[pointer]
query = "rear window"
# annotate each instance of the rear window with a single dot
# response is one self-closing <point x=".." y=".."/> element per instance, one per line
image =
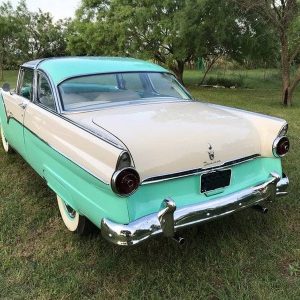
<point x="89" y="92"/>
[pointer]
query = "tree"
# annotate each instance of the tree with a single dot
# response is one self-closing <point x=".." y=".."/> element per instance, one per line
<point x="7" y="28"/>
<point x="25" y="35"/>
<point x="171" y="32"/>
<point x="147" y="29"/>
<point x="283" y="16"/>
<point x="212" y="27"/>
<point x="221" y="30"/>
<point x="46" y="38"/>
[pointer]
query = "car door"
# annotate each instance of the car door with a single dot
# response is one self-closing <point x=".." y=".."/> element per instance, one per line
<point x="15" y="106"/>
<point x="37" y="122"/>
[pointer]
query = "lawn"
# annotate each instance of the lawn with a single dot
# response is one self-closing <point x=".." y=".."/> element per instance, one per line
<point x="244" y="256"/>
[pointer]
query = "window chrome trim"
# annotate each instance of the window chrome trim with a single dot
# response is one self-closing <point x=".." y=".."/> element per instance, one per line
<point x="37" y="74"/>
<point x="198" y="171"/>
<point x="20" y="80"/>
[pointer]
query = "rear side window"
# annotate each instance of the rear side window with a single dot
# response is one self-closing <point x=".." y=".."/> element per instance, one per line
<point x="159" y="83"/>
<point x="26" y="84"/>
<point x="132" y="81"/>
<point x="44" y="92"/>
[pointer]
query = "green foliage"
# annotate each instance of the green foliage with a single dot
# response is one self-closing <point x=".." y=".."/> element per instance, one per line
<point x="46" y="38"/>
<point x="25" y="35"/>
<point x="146" y="29"/>
<point x="8" y="42"/>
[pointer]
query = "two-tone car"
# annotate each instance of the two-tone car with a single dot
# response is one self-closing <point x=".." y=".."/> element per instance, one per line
<point x="127" y="149"/>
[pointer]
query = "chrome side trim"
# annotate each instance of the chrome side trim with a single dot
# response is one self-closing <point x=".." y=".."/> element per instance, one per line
<point x="153" y="224"/>
<point x="198" y="171"/>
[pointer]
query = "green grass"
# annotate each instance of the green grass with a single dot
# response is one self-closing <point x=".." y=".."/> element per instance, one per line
<point x="243" y="256"/>
<point x="9" y="77"/>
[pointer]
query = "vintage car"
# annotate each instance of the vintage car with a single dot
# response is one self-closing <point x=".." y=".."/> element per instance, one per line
<point x="127" y="149"/>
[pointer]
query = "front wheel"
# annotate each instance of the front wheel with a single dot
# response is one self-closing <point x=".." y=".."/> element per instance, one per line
<point x="7" y="148"/>
<point x="73" y="220"/>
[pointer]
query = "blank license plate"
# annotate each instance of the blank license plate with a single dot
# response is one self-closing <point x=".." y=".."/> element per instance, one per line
<point x="215" y="180"/>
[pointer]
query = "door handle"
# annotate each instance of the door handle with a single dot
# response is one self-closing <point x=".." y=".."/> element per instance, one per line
<point x="23" y="105"/>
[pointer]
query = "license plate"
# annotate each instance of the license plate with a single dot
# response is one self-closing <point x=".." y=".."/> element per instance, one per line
<point x="215" y="180"/>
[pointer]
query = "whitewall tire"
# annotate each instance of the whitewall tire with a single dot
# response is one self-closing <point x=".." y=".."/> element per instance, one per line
<point x="73" y="220"/>
<point x="7" y="148"/>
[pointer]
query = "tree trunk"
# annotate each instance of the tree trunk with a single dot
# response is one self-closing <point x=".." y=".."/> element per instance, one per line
<point x="205" y="74"/>
<point x="178" y="70"/>
<point x="286" y="92"/>
<point x="210" y="65"/>
<point x="286" y="84"/>
<point x="285" y="68"/>
<point x="1" y="72"/>
<point x="1" y="65"/>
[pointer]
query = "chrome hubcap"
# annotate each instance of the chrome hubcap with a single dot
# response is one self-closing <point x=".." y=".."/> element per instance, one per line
<point x="71" y="212"/>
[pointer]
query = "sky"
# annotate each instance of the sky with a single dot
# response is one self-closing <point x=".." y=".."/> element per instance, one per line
<point x="58" y="8"/>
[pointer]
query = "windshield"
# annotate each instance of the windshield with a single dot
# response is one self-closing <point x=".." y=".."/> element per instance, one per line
<point x="90" y="92"/>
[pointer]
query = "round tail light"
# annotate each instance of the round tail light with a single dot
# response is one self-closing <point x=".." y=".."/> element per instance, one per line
<point x="125" y="182"/>
<point x="281" y="146"/>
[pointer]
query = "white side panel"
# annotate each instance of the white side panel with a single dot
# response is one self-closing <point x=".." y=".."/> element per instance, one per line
<point x="89" y="152"/>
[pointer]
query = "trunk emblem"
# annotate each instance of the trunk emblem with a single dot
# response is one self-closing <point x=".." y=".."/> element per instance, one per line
<point x="211" y="152"/>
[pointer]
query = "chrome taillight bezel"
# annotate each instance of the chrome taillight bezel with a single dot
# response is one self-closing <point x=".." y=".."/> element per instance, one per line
<point x="277" y="142"/>
<point x="284" y="130"/>
<point x="124" y="161"/>
<point x="115" y="178"/>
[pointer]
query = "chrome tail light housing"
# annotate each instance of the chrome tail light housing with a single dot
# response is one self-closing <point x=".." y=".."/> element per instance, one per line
<point x="125" y="182"/>
<point x="281" y="146"/>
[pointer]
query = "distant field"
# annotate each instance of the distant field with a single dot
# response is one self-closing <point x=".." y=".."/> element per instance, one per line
<point x="243" y="256"/>
<point x="9" y="77"/>
<point x="258" y="79"/>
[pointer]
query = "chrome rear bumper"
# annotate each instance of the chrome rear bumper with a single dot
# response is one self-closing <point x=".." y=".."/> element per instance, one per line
<point x="169" y="219"/>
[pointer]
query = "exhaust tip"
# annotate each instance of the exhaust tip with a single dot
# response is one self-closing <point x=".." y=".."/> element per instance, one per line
<point x="178" y="239"/>
<point x="260" y="208"/>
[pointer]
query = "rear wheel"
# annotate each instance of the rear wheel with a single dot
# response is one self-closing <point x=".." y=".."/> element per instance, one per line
<point x="73" y="220"/>
<point x="7" y="148"/>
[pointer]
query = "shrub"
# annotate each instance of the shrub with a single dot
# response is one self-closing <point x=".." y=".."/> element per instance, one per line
<point x="226" y="82"/>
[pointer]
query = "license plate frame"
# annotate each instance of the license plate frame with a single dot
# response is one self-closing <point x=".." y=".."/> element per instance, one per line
<point x="215" y="180"/>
